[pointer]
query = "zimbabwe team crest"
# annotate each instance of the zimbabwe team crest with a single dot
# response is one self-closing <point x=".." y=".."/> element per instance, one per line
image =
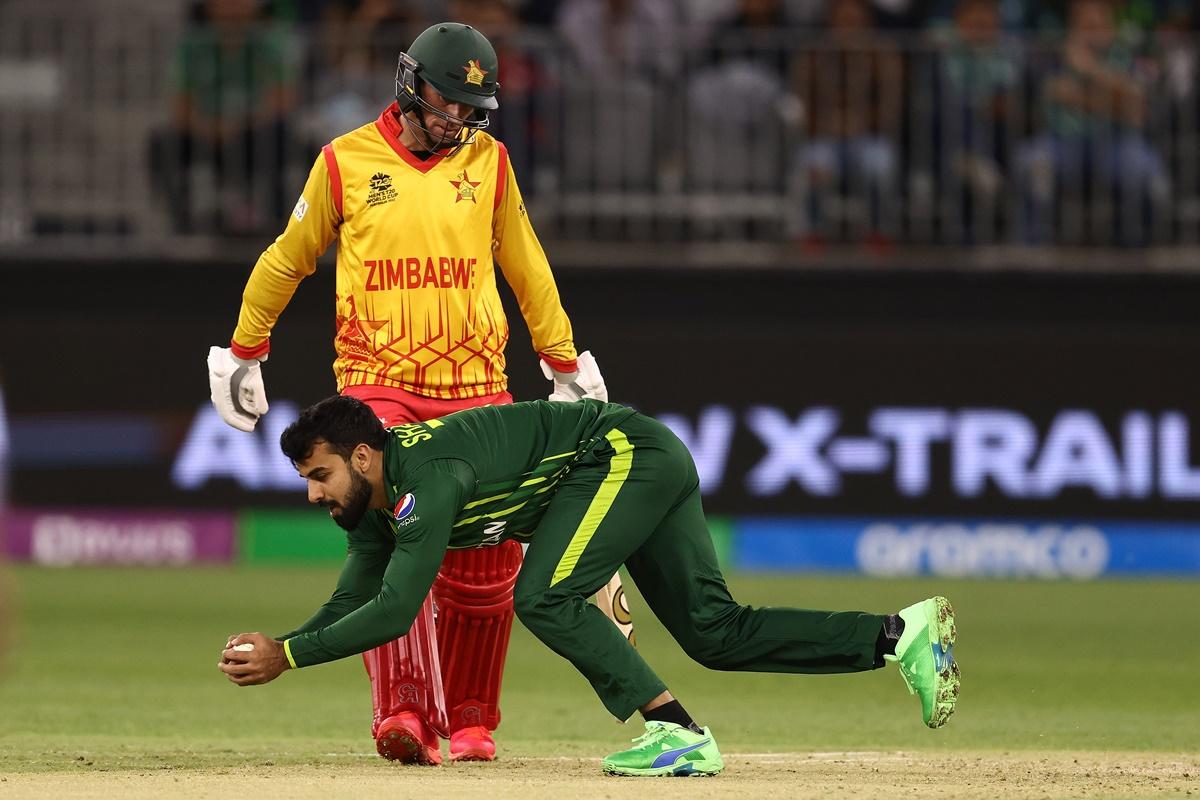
<point x="465" y="187"/>
<point x="475" y="73"/>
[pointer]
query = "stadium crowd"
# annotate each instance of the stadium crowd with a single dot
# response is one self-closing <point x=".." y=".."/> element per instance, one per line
<point x="874" y="121"/>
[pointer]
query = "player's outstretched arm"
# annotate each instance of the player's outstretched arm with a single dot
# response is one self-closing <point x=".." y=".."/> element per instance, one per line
<point x="251" y="658"/>
<point x="421" y="538"/>
<point x="388" y="615"/>
<point x="367" y="558"/>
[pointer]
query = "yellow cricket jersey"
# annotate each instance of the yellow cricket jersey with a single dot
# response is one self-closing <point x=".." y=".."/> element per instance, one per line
<point x="417" y="306"/>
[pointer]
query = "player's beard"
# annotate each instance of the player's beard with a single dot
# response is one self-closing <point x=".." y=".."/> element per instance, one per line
<point x="434" y="141"/>
<point x="357" y="501"/>
<point x="442" y="143"/>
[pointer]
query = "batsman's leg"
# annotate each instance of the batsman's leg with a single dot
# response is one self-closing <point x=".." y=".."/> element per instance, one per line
<point x="474" y="595"/>
<point x="406" y="678"/>
<point x="612" y="600"/>
<point x="406" y="692"/>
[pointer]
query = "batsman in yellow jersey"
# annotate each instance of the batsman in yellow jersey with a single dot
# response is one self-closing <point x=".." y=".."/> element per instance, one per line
<point x="423" y="204"/>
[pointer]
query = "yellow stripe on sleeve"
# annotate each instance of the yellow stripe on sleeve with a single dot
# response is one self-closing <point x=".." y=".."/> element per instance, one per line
<point x="618" y="471"/>
<point x="287" y="651"/>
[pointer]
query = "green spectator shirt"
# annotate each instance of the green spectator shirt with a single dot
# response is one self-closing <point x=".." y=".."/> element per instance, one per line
<point x="1067" y="121"/>
<point x="232" y="82"/>
<point x="976" y="73"/>
<point x="473" y="478"/>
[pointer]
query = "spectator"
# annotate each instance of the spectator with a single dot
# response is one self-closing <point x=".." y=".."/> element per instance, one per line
<point x="977" y="75"/>
<point x="752" y="36"/>
<point x="354" y="62"/>
<point x="851" y="87"/>
<point x="520" y="122"/>
<point x="633" y="36"/>
<point x="742" y="113"/>
<point x="1178" y="52"/>
<point x="1094" y="148"/>
<point x="220" y="164"/>
<point x="617" y="96"/>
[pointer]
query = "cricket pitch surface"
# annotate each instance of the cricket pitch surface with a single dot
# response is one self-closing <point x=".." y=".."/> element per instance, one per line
<point x="792" y="775"/>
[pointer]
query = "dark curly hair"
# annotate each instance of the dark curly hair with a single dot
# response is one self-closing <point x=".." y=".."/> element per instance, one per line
<point x="341" y="422"/>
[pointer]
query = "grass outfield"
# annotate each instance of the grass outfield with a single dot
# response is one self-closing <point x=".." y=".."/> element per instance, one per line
<point x="115" y="671"/>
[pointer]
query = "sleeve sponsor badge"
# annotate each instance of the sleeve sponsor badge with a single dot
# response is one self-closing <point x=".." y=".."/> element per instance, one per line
<point x="405" y="507"/>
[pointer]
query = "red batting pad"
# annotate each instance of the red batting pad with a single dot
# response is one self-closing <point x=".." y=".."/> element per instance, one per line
<point x="405" y="675"/>
<point x="474" y="594"/>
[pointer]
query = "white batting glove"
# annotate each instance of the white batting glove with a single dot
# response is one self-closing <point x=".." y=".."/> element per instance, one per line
<point x="237" y="389"/>
<point x="585" y="381"/>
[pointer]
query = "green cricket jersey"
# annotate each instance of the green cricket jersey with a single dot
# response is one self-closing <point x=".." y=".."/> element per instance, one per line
<point x="470" y="479"/>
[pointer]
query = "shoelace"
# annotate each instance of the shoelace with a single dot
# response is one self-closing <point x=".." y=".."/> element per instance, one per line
<point x="652" y="734"/>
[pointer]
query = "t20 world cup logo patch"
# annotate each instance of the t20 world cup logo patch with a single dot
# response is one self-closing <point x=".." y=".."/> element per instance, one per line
<point x="405" y="507"/>
<point x="381" y="189"/>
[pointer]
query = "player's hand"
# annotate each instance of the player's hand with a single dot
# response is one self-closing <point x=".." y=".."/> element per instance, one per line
<point x="585" y="381"/>
<point x="263" y="664"/>
<point x="236" y="388"/>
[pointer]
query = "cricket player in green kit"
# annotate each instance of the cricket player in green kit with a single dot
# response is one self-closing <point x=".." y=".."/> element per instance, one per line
<point x="590" y="486"/>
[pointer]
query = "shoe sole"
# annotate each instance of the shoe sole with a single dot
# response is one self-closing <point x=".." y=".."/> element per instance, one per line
<point x="401" y="744"/>
<point x="685" y="770"/>
<point x="472" y="755"/>
<point x="942" y="633"/>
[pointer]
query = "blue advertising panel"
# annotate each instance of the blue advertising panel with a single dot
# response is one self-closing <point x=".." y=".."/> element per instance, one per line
<point x="967" y="548"/>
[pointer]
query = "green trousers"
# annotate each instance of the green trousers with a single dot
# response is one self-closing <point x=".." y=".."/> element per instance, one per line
<point x="634" y="499"/>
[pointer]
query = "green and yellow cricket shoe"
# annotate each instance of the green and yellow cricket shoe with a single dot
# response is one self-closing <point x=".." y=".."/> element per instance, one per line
<point x="668" y="749"/>
<point x="926" y="655"/>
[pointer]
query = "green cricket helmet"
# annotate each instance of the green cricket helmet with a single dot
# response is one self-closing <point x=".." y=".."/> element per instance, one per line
<point x="461" y="65"/>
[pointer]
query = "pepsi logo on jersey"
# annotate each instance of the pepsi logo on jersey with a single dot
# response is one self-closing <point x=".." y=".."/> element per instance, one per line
<point x="405" y="506"/>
